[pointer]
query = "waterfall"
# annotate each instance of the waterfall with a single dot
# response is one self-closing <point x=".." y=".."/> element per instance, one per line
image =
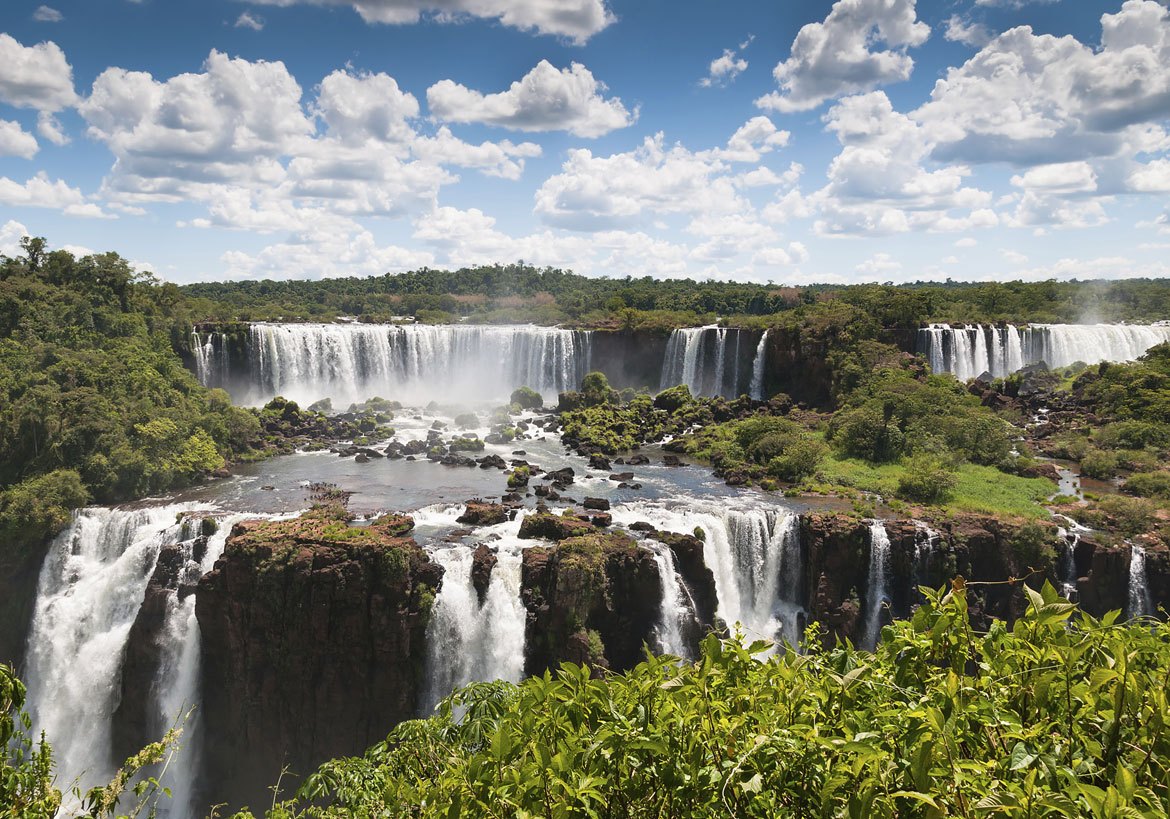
<point x="925" y="541"/>
<point x="412" y="363"/>
<point x="755" y="556"/>
<point x="758" y="363"/>
<point x="699" y="358"/>
<point x="876" y="592"/>
<point x="969" y="351"/>
<point x="1140" y="602"/>
<point x="89" y="594"/>
<point x="1067" y="565"/>
<point x="678" y="607"/>
<point x="468" y="642"/>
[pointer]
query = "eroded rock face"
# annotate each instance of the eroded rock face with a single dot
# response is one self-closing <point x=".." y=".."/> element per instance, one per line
<point x="136" y="722"/>
<point x="483" y="560"/>
<point x="313" y="645"/>
<point x="593" y="598"/>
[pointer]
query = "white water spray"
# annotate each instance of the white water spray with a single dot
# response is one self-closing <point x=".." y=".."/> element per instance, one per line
<point x="877" y="591"/>
<point x="758" y="364"/>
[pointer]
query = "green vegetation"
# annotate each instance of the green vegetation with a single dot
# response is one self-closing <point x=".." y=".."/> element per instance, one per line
<point x="1058" y="715"/>
<point x="94" y="403"/>
<point x="522" y="293"/>
<point x="526" y="398"/>
<point x="27" y="784"/>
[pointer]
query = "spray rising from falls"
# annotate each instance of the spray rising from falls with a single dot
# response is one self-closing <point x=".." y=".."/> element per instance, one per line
<point x="1140" y="602"/>
<point x="969" y="351"/>
<point x="705" y="359"/>
<point x="90" y="591"/>
<point x="469" y="640"/>
<point x="412" y="363"/>
<point x="758" y="364"/>
<point x="877" y="592"/>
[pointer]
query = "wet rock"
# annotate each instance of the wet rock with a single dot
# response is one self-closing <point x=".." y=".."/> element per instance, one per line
<point x="624" y="485"/>
<point x="553" y="527"/>
<point x="560" y="476"/>
<point x="600" y="504"/>
<point x="394" y="450"/>
<point x="479" y="513"/>
<point x="637" y="460"/>
<point x="599" y="462"/>
<point x="483" y="560"/>
<point x="601" y="520"/>
<point x="362" y="458"/>
<point x="622" y="476"/>
<point x="671" y="460"/>
<point x="415" y="447"/>
<point x="491" y="462"/>
<point x="641" y="526"/>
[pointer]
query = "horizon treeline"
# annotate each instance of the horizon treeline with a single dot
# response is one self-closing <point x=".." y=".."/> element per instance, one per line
<point x="520" y="292"/>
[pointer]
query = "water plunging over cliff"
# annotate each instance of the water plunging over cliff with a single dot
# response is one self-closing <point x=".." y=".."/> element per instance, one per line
<point x="410" y="363"/>
<point x="877" y="592"/>
<point x="468" y="641"/>
<point x="705" y="359"/>
<point x="678" y="607"/>
<point x="1140" y="603"/>
<point x="756" y="558"/>
<point x="971" y="350"/>
<point x="758" y="364"/>
<point x="90" y="590"/>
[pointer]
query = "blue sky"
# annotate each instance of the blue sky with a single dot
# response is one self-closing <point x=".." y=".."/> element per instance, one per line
<point x="856" y="140"/>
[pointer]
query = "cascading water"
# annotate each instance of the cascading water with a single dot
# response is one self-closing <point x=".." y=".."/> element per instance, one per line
<point x="758" y="364"/>
<point x="704" y="359"/>
<point x="472" y="642"/>
<point x="969" y="351"/>
<point x="1068" y="565"/>
<point x="1140" y="603"/>
<point x="89" y="593"/>
<point x="411" y="363"/>
<point x="678" y="607"/>
<point x="756" y="558"/>
<point x="877" y="592"/>
<point x="925" y="543"/>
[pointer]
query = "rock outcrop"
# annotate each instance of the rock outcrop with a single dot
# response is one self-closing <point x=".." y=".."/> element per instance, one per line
<point x="313" y="637"/>
<point x="591" y="599"/>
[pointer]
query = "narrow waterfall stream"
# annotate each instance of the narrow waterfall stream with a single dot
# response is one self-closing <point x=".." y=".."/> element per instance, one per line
<point x="877" y="592"/>
<point x="759" y="362"/>
<point x="678" y="607"/>
<point x="1140" y="604"/>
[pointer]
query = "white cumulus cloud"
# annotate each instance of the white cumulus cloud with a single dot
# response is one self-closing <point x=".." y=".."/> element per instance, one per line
<point x="577" y="20"/>
<point x="842" y="56"/>
<point x="15" y="141"/>
<point x="545" y="99"/>
<point x="36" y="76"/>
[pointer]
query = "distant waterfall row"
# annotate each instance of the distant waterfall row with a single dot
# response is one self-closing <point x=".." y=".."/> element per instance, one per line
<point x="412" y="363"/>
<point x="710" y="361"/>
<point x="416" y="363"/>
<point x="969" y="351"/>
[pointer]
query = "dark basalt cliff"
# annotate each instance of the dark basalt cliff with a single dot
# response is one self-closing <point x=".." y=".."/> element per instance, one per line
<point x="313" y="630"/>
<point x="596" y="586"/>
<point x="313" y="637"/>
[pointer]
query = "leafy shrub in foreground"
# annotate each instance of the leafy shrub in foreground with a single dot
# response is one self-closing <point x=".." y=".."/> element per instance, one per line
<point x="1055" y="716"/>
